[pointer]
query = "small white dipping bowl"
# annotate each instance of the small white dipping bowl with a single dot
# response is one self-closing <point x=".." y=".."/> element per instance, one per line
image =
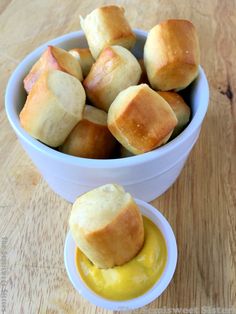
<point x="159" y="220"/>
<point x="145" y="176"/>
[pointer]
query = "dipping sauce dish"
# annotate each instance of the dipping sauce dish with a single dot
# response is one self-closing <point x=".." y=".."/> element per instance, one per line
<point x="133" y="278"/>
<point x="168" y="260"/>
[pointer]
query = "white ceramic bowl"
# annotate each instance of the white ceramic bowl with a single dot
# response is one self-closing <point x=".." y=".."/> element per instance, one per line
<point x="159" y="220"/>
<point x="145" y="176"/>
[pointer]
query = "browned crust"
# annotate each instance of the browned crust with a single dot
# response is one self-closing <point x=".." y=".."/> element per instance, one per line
<point x="36" y="96"/>
<point x="143" y="122"/>
<point x="179" y="36"/>
<point x="53" y="58"/>
<point x="108" y="8"/>
<point x="66" y="62"/>
<point x="180" y="108"/>
<point x="96" y="82"/>
<point x="90" y="140"/>
<point x="177" y="74"/>
<point x="58" y="55"/>
<point x="83" y="52"/>
<point x="177" y="55"/>
<point x="176" y="102"/>
<point x="117" y="25"/>
<point x="46" y="62"/>
<point x="122" y="239"/>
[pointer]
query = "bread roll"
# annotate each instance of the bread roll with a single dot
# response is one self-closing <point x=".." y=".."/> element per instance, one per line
<point x="171" y="55"/>
<point x="107" y="226"/>
<point x="140" y="119"/>
<point x="91" y="138"/>
<point x="83" y="55"/>
<point x="107" y="26"/>
<point x="53" y="107"/>
<point x="114" y="70"/>
<point x="53" y="58"/>
<point x="180" y="108"/>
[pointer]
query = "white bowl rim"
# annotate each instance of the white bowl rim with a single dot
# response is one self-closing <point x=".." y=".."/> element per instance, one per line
<point x="87" y="162"/>
<point x="150" y="295"/>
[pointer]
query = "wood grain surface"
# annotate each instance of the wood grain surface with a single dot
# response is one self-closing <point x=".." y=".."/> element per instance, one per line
<point x="200" y="206"/>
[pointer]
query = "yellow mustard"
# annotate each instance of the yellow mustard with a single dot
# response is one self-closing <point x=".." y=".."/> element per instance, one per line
<point x="133" y="278"/>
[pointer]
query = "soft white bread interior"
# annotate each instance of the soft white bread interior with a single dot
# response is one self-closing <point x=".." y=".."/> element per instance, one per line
<point x="53" y="58"/>
<point x="107" y="26"/>
<point x="85" y="58"/>
<point x="114" y="70"/>
<point x="180" y="108"/>
<point x="91" y="138"/>
<point x="171" y="55"/>
<point x="53" y="107"/>
<point x="107" y="226"/>
<point x="140" y="119"/>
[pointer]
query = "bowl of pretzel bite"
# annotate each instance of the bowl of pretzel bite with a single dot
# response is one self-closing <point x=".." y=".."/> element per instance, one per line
<point x="111" y="104"/>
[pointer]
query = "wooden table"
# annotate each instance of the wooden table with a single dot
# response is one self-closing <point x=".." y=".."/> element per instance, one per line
<point x="200" y="205"/>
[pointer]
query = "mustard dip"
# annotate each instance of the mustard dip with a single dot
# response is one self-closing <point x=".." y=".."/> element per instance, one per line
<point x="133" y="278"/>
